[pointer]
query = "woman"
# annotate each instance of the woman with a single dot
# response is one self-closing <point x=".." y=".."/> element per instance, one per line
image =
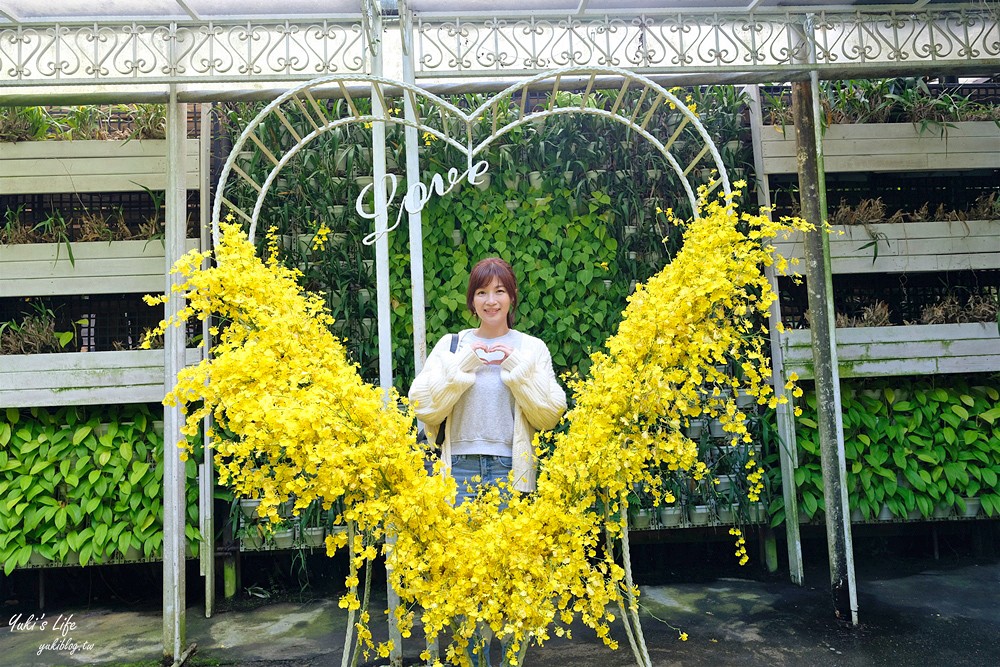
<point x="492" y="393"/>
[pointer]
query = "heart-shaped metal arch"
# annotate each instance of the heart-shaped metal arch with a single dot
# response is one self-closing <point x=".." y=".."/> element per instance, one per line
<point x="636" y="111"/>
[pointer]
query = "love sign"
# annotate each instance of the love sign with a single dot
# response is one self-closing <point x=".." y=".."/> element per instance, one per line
<point x="418" y="194"/>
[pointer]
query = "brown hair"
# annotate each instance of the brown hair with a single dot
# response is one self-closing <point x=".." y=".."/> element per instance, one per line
<point x="483" y="273"/>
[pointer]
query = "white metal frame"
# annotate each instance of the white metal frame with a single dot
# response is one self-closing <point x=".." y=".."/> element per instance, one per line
<point x="85" y="61"/>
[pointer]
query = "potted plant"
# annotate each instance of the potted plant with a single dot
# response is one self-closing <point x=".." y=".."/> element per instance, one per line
<point x="889" y="125"/>
<point x="640" y="509"/>
<point x="312" y="532"/>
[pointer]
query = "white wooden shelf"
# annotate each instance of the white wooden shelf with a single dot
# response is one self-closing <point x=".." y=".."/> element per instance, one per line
<point x="929" y="349"/>
<point x="44" y="167"/>
<point x="908" y="247"/>
<point x="98" y="267"/>
<point x="84" y="378"/>
<point x="881" y="147"/>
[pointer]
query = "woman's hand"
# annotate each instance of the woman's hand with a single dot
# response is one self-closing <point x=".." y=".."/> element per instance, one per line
<point x="492" y="355"/>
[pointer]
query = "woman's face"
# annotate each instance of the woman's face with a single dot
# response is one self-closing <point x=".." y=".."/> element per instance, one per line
<point x="492" y="303"/>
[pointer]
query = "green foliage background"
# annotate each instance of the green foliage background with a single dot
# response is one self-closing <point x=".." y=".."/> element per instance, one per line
<point x="572" y="204"/>
<point x="914" y="445"/>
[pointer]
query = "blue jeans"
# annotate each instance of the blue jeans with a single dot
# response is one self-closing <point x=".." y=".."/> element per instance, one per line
<point x="490" y="469"/>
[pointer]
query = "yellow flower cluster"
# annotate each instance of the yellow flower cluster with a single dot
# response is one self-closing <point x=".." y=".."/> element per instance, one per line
<point x="741" y="545"/>
<point x="319" y="240"/>
<point x="295" y="421"/>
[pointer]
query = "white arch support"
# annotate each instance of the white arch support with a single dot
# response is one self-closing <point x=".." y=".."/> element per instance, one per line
<point x="635" y="105"/>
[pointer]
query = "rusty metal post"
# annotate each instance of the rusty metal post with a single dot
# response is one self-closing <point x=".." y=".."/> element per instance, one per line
<point x="819" y="283"/>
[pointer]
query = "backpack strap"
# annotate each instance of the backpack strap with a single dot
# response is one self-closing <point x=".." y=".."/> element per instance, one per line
<point x="439" y="440"/>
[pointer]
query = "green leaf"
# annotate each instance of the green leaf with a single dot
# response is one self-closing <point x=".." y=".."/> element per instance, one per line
<point x="100" y="534"/>
<point x="810" y="503"/>
<point x="81" y="433"/>
<point x="960" y="411"/>
<point x="139" y="469"/>
<point x="990" y="415"/>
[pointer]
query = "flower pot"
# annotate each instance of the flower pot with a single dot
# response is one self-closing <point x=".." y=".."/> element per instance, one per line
<point x="745" y="400"/>
<point x="512" y="204"/>
<point x="535" y="180"/>
<point x="699" y="515"/>
<point x="715" y="429"/>
<point x="756" y="513"/>
<point x="253" y="540"/>
<point x="640" y="519"/>
<point x="484" y="181"/>
<point x="972" y="507"/>
<point x="942" y="511"/>
<point x="857" y="516"/>
<point x="914" y="515"/>
<point x="283" y="539"/>
<point x="248" y="508"/>
<point x="725" y="514"/>
<point x="313" y="536"/>
<point x="568" y="177"/>
<point x="628" y="230"/>
<point x="725" y="483"/>
<point x="885" y="514"/>
<point x="456" y="236"/>
<point x="670" y="515"/>
<point x="38" y="559"/>
<point x="512" y="181"/>
<point x="694" y="429"/>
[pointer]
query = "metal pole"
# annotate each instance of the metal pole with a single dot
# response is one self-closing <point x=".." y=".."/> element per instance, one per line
<point x="787" y="446"/>
<point x="819" y="284"/>
<point x="173" y="356"/>
<point x="382" y="281"/>
<point x="413" y="176"/>
<point x="206" y="475"/>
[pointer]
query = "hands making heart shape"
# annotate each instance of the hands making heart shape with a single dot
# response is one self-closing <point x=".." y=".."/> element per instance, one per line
<point x="492" y="355"/>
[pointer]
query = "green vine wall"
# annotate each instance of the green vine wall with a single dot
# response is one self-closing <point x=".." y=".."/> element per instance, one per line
<point x="574" y="203"/>
<point x="84" y="484"/>
<point x="921" y="448"/>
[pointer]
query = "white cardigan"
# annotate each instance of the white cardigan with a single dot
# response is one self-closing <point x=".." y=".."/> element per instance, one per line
<point x="539" y="401"/>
